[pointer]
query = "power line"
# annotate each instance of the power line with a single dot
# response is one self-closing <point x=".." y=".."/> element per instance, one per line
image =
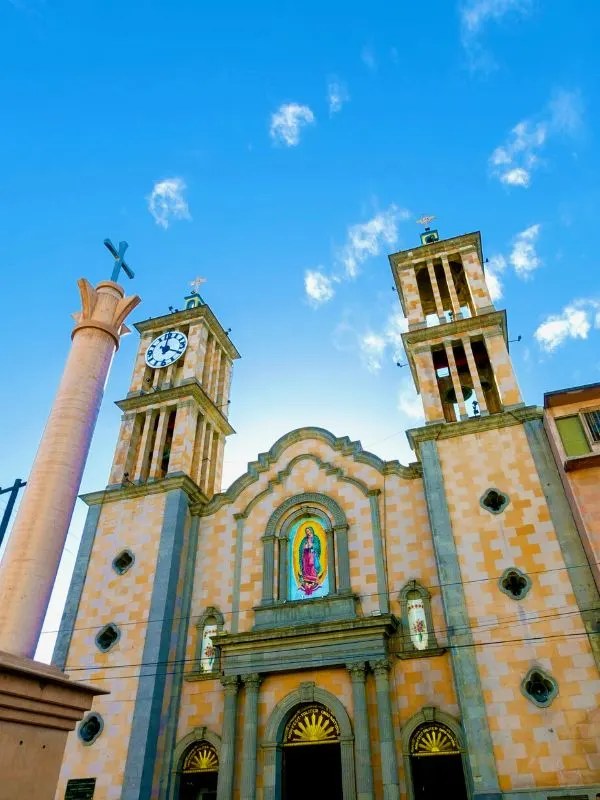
<point x="389" y="594"/>
<point x="306" y="662"/>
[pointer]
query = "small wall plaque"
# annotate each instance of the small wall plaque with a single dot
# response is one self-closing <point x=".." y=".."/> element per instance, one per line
<point x="80" y="789"/>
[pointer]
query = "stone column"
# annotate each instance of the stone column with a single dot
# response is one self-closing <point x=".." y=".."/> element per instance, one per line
<point x="343" y="559"/>
<point x="268" y="568"/>
<point x="251" y="685"/>
<point x="454" y="301"/>
<point x="389" y="764"/>
<point x="33" y="553"/>
<point x="362" y="743"/>
<point x="436" y="292"/>
<point x="227" y="759"/>
<point x="331" y="561"/>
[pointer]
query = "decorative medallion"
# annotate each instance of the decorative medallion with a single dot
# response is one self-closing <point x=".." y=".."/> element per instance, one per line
<point x="201" y="757"/>
<point x="434" y="740"/>
<point x="313" y="724"/>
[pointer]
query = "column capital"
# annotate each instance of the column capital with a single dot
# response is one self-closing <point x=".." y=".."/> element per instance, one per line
<point x="357" y="670"/>
<point x="252" y="681"/>
<point x="231" y="684"/>
<point x="381" y="667"/>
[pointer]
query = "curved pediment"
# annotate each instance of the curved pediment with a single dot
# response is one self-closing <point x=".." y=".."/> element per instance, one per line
<point x="343" y="445"/>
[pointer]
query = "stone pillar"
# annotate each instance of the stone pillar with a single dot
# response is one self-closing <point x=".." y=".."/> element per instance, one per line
<point x="268" y="568"/>
<point x="483" y="409"/>
<point x="227" y="760"/>
<point x="362" y="744"/>
<point x="343" y="559"/>
<point x="251" y="686"/>
<point x="331" y="561"/>
<point x="436" y="292"/>
<point x="412" y="299"/>
<point x="460" y="398"/>
<point x="454" y="301"/>
<point x="428" y="385"/>
<point x="389" y="764"/>
<point x="33" y="553"/>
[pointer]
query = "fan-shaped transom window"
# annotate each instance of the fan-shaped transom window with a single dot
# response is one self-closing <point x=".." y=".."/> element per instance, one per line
<point x="312" y="724"/>
<point x="201" y="757"/>
<point x="123" y="561"/>
<point x="90" y="728"/>
<point x="494" y="501"/>
<point x="434" y="739"/>
<point x="107" y="637"/>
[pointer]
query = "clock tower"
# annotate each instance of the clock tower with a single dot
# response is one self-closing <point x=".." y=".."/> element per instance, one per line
<point x="169" y="457"/>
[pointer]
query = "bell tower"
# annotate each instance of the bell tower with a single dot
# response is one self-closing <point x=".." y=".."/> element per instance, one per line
<point x="457" y="343"/>
<point x="175" y="413"/>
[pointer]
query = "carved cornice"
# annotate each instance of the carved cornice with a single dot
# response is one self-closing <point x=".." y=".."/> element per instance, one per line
<point x="341" y="445"/>
<point x="185" y="317"/>
<point x="423" y="252"/>
<point x="448" y="430"/>
<point x="189" y="389"/>
<point x="450" y="330"/>
<point x="125" y="491"/>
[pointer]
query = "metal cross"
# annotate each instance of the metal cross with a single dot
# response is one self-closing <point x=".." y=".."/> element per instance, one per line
<point x="196" y="284"/>
<point x="119" y="263"/>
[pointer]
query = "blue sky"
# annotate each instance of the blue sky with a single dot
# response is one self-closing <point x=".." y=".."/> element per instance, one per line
<point x="282" y="150"/>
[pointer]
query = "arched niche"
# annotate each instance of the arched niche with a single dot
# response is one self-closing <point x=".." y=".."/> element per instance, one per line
<point x="208" y="615"/>
<point x="415" y="605"/>
<point x="432" y="714"/>
<point x="181" y="748"/>
<point x="277" y="535"/>
<point x="272" y="744"/>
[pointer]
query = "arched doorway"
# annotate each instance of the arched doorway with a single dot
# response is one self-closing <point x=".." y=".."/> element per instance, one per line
<point x="312" y="762"/>
<point x="199" y="772"/>
<point x="436" y="763"/>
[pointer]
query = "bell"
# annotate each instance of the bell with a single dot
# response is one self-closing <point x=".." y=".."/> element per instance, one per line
<point x="450" y="396"/>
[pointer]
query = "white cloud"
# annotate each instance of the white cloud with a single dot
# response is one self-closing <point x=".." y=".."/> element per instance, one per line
<point x="337" y="95"/>
<point x="367" y="55"/>
<point x="365" y="239"/>
<point x="318" y="287"/>
<point x="372" y="348"/>
<point x="493" y="269"/>
<point x="523" y="256"/>
<point x="167" y="202"/>
<point x="518" y="176"/>
<point x="409" y="402"/>
<point x="397" y="324"/>
<point x="514" y="161"/>
<point x="475" y="15"/>
<point x="566" y="112"/>
<point x="573" y="322"/>
<point x="287" y="121"/>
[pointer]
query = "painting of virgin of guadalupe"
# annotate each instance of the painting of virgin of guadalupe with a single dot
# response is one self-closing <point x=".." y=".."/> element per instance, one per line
<point x="308" y="560"/>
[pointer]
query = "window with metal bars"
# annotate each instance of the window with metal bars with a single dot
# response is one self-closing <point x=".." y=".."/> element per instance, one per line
<point x="592" y="419"/>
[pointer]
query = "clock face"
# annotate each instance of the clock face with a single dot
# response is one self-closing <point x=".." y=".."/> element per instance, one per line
<point x="166" y="349"/>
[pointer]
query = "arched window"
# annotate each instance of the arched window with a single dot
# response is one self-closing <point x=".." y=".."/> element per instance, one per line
<point x="418" y="632"/>
<point x="443" y="777"/>
<point x="210" y="623"/>
<point x="199" y="772"/>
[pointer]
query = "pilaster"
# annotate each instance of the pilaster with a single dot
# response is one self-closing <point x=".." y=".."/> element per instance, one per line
<point x="251" y="686"/>
<point x="362" y="741"/>
<point x="389" y="764"/>
<point x="227" y="761"/>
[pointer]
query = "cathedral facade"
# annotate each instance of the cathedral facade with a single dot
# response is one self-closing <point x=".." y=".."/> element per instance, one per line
<point x="333" y="625"/>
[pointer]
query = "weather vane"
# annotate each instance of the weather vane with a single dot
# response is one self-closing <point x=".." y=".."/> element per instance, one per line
<point x="196" y="284"/>
<point x="425" y="221"/>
